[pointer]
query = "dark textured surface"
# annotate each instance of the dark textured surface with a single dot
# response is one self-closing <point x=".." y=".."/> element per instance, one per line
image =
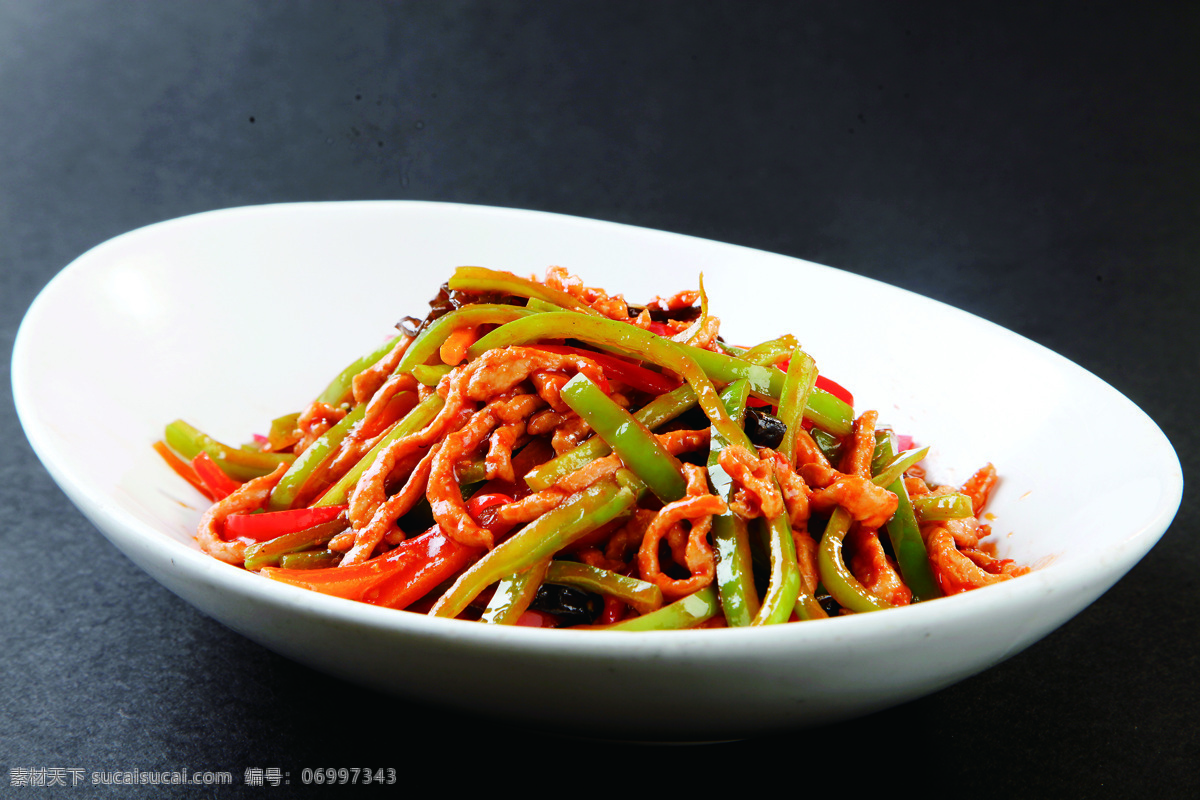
<point x="1037" y="167"/>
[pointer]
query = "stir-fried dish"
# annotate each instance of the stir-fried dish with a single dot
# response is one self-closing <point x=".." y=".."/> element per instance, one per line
<point x="542" y="453"/>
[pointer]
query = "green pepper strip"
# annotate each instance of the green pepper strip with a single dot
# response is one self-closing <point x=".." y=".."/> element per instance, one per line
<point x="731" y="536"/>
<point x="896" y="467"/>
<point x="514" y="594"/>
<point x="235" y="462"/>
<point x="658" y="411"/>
<point x="542" y="306"/>
<point x="771" y="352"/>
<point x="582" y="513"/>
<point x="316" y="559"/>
<point x="602" y="331"/>
<point x="416" y="419"/>
<point x="688" y="612"/>
<point x="282" y="429"/>
<point x="801" y="375"/>
<point x="285" y="492"/>
<point x="643" y="596"/>
<point x="823" y="409"/>
<point x="430" y="340"/>
<point x="632" y="482"/>
<point x="338" y="390"/>
<point x="266" y="554"/>
<point x="911" y="555"/>
<point x="481" y="279"/>
<point x="785" y="590"/>
<point x="942" y="507"/>
<point x="829" y="445"/>
<point x="637" y="447"/>
<point x="835" y="575"/>
<point x="431" y="374"/>
<point x="473" y="471"/>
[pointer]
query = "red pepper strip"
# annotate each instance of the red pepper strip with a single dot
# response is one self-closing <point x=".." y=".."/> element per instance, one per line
<point x="823" y="383"/>
<point x="478" y="507"/>
<point x="273" y="524"/>
<point x="183" y="469"/>
<point x="213" y="476"/>
<point x="620" y="369"/>
<point x="614" y="611"/>
<point x="481" y="501"/>
<point x="395" y="579"/>
<point x="536" y="619"/>
<point x="835" y="389"/>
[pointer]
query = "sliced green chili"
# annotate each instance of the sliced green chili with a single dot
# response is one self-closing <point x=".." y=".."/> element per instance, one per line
<point x="580" y="514"/>
<point x="835" y="575"/>
<point x="771" y="352"/>
<point x="731" y="537"/>
<point x="481" y="279"/>
<point x="339" y="389"/>
<point x="785" y="586"/>
<point x="829" y="445"/>
<point x="797" y="386"/>
<point x="896" y="467"/>
<point x="643" y="596"/>
<point x="285" y="492"/>
<point x="315" y="559"/>
<point x="688" y="612"/>
<point x="431" y="374"/>
<point x="942" y="507"/>
<point x="823" y="409"/>
<point x="657" y="412"/>
<point x="602" y="331"/>
<point x="416" y="419"/>
<point x="638" y="448"/>
<point x="430" y="340"/>
<point x="513" y="595"/>
<point x="235" y="462"/>
<point x="905" y="534"/>
<point x="283" y="430"/>
<point x="267" y="554"/>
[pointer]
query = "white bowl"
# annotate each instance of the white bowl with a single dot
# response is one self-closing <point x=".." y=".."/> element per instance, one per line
<point x="231" y="318"/>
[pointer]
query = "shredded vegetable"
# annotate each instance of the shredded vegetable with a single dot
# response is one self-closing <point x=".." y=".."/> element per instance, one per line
<point x="541" y="453"/>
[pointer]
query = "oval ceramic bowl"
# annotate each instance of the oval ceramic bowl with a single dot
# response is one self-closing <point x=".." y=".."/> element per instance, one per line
<point x="231" y="318"/>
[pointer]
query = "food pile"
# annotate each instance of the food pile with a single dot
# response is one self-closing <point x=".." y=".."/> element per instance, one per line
<point x="541" y="453"/>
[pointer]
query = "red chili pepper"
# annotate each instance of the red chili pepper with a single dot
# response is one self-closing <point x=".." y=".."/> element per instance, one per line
<point x="395" y="579"/>
<point x="272" y="525"/>
<point x="614" y="611"/>
<point x="218" y="483"/>
<point x="661" y="329"/>
<point x="620" y="369"/>
<point x="481" y="501"/>
<point x="478" y="507"/>
<point x="835" y="389"/>
<point x="536" y="619"/>
<point x="184" y="470"/>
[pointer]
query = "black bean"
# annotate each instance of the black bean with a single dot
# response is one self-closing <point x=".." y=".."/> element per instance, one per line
<point x="570" y="605"/>
<point x="764" y="430"/>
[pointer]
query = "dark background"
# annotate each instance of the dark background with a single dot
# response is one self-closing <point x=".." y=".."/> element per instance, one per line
<point x="1038" y="167"/>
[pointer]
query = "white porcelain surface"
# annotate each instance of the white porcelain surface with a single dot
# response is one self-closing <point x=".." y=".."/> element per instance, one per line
<point x="230" y="318"/>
